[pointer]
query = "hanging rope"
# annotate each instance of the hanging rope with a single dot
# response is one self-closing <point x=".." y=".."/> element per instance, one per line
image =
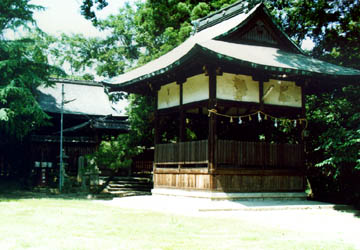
<point x="260" y="114"/>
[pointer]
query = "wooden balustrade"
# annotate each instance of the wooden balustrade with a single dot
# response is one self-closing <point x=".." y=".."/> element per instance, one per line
<point x="259" y="154"/>
<point x="232" y="154"/>
<point x="194" y="152"/>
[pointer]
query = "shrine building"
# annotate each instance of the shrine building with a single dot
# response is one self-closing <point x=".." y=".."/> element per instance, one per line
<point x="225" y="99"/>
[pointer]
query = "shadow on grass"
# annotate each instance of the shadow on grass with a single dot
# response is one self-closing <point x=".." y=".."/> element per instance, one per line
<point x="12" y="190"/>
<point x="348" y="209"/>
<point x="21" y="194"/>
<point x="341" y="207"/>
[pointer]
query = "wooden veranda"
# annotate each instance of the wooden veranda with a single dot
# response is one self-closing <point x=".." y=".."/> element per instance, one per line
<point x="240" y="166"/>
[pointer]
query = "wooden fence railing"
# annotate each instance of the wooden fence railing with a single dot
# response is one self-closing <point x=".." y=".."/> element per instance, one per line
<point x="239" y="153"/>
<point x="194" y="152"/>
<point x="232" y="153"/>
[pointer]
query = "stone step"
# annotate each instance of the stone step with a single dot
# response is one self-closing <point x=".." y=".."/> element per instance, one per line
<point x="129" y="186"/>
<point x="121" y="178"/>
<point x="110" y="189"/>
<point x="124" y="193"/>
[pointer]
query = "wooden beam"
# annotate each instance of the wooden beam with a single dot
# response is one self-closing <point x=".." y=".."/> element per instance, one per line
<point x="260" y="77"/>
<point x="193" y="105"/>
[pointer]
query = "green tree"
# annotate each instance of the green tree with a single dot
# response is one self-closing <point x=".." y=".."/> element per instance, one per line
<point x="334" y="142"/>
<point x="87" y="8"/>
<point x="332" y="25"/>
<point x="139" y="33"/>
<point x="23" y="67"/>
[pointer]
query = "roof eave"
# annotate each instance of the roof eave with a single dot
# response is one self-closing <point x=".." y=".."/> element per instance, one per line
<point x="214" y="56"/>
<point x="145" y="80"/>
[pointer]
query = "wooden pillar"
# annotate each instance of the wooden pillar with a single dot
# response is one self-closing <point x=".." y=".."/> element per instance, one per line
<point x="303" y="83"/>
<point x="157" y="120"/>
<point x="182" y="136"/>
<point x="156" y="132"/>
<point x="303" y="91"/>
<point x="261" y="78"/>
<point x="212" y="139"/>
<point x="157" y="128"/>
<point x="261" y="94"/>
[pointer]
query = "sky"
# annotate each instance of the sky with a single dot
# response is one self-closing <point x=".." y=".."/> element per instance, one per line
<point x="63" y="16"/>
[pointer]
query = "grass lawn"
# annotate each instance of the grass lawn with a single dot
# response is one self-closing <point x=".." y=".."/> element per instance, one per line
<point x="85" y="224"/>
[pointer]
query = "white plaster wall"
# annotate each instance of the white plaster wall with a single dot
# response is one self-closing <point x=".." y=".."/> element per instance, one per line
<point x="196" y="88"/>
<point x="237" y="88"/>
<point x="169" y="96"/>
<point x="284" y="93"/>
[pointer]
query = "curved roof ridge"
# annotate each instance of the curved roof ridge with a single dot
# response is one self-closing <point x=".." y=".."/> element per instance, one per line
<point x="240" y="7"/>
<point x="75" y="81"/>
<point x="178" y="52"/>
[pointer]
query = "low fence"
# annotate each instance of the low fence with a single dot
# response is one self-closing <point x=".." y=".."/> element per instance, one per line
<point x="194" y="152"/>
<point x="239" y="153"/>
<point x="231" y="153"/>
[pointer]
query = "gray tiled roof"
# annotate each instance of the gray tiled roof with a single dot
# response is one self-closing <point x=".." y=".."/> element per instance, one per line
<point x="161" y="64"/>
<point x="206" y="42"/>
<point x="274" y="58"/>
<point x="85" y="98"/>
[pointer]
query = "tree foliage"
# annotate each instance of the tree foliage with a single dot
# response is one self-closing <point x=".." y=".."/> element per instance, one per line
<point x="23" y="67"/>
<point x="115" y="153"/>
<point x="333" y="25"/>
<point x="16" y="13"/>
<point x="139" y="33"/>
<point x="334" y="142"/>
<point x="87" y="8"/>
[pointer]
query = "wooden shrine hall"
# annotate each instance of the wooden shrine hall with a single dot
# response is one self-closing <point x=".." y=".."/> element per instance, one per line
<point x="230" y="118"/>
<point x="88" y="115"/>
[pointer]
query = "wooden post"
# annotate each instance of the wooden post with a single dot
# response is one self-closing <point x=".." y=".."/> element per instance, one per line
<point x="303" y="114"/>
<point x="261" y="94"/>
<point x="181" y="113"/>
<point x="157" y="128"/>
<point x="181" y="119"/>
<point x="157" y="120"/>
<point x="303" y="89"/>
<point x="156" y="132"/>
<point x="303" y="83"/>
<point x="261" y="108"/>
<point x="212" y="124"/>
<point x="261" y="78"/>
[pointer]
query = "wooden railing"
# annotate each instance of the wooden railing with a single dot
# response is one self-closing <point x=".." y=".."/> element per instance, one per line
<point x="194" y="152"/>
<point x="232" y="154"/>
<point x="260" y="154"/>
